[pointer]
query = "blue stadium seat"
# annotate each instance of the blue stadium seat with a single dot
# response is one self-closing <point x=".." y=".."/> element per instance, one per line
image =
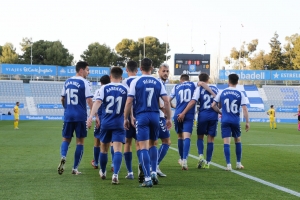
<point x="250" y="88"/>
<point x="255" y="100"/>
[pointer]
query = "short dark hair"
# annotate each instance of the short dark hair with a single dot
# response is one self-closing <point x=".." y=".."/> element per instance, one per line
<point x="184" y="77"/>
<point x="132" y="66"/>
<point x="104" y="80"/>
<point x="203" y="77"/>
<point x="272" y="106"/>
<point x="17" y="102"/>
<point x="146" y="64"/>
<point x="81" y="65"/>
<point x="233" y="79"/>
<point x="116" y="72"/>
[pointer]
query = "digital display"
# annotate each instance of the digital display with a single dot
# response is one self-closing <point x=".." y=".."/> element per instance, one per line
<point x="192" y="64"/>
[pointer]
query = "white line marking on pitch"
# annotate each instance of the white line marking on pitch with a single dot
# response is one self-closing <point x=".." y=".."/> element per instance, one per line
<point x="251" y="177"/>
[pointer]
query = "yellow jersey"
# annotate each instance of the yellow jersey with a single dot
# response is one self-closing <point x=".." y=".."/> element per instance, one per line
<point x="16" y="110"/>
<point x="271" y="112"/>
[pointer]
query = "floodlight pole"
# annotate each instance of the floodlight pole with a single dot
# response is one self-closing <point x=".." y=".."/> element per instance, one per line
<point x="167" y="43"/>
<point x="240" y="47"/>
<point x="31" y="52"/>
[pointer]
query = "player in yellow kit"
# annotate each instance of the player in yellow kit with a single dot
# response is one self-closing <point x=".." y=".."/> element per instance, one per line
<point x="271" y="113"/>
<point x="16" y="115"/>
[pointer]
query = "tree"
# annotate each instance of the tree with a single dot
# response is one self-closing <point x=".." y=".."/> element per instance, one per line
<point x="252" y="46"/>
<point x="227" y="60"/>
<point x="289" y="53"/>
<point x="296" y="60"/>
<point x="26" y="42"/>
<point x="134" y="50"/>
<point x="47" y="53"/>
<point x="259" y="61"/>
<point x="99" y="55"/>
<point x="0" y="50"/>
<point x="276" y="57"/>
<point x="56" y="54"/>
<point x="237" y="57"/>
<point x="128" y="50"/>
<point x="8" y="54"/>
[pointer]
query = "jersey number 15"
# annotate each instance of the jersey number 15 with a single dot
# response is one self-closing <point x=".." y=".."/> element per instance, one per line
<point x="72" y="97"/>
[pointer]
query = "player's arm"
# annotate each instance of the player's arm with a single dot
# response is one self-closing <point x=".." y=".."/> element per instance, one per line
<point x="90" y="103"/>
<point x="171" y="104"/>
<point x="274" y="113"/>
<point x="215" y="107"/>
<point x="171" y="97"/>
<point x="167" y="111"/>
<point x="180" y="117"/>
<point x="94" y="110"/>
<point x="128" y="107"/>
<point x="246" y="115"/>
<point x="206" y="87"/>
<point x="62" y="100"/>
<point x="132" y="118"/>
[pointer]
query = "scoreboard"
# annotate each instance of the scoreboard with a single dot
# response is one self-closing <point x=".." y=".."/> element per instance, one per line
<point x="192" y="64"/>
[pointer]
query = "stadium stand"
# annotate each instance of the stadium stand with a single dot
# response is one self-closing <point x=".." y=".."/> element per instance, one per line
<point x="10" y="93"/>
<point x="282" y="96"/>
<point x="44" y="92"/>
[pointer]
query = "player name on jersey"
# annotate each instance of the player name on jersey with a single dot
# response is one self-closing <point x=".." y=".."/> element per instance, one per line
<point x="148" y="81"/>
<point x="214" y="89"/>
<point x="72" y="83"/>
<point x="232" y="92"/>
<point x="116" y="88"/>
<point x="184" y="84"/>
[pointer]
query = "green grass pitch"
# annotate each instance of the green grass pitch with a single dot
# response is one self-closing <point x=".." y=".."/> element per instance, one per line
<point x="29" y="158"/>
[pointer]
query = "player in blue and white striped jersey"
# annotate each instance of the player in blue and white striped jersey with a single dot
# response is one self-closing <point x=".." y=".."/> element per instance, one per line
<point x="113" y="97"/>
<point x="183" y="93"/>
<point x="231" y="100"/>
<point x="131" y="68"/>
<point x="164" y="134"/>
<point x="103" y="80"/>
<point x="76" y="93"/>
<point x="147" y="90"/>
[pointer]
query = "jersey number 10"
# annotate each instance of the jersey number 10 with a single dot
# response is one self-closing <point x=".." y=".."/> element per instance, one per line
<point x="185" y="95"/>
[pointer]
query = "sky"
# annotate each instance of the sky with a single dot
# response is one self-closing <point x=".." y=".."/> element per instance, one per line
<point x="184" y="24"/>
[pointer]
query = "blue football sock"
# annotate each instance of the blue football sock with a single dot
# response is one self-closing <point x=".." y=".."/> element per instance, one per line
<point x="96" y="155"/>
<point x="103" y="161"/>
<point x="200" y="145"/>
<point x="227" y="153"/>
<point x="112" y="154"/>
<point x="138" y="153"/>
<point x="64" y="148"/>
<point x="153" y="157"/>
<point x="128" y="161"/>
<point x="238" y="151"/>
<point x="117" y="162"/>
<point x="180" y="148"/>
<point x="145" y="161"/>
<point x="186" y="147"/>
<point x="78" y="155"/>
<point x="209" y="151"/>
<point x="162" y="151"/>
